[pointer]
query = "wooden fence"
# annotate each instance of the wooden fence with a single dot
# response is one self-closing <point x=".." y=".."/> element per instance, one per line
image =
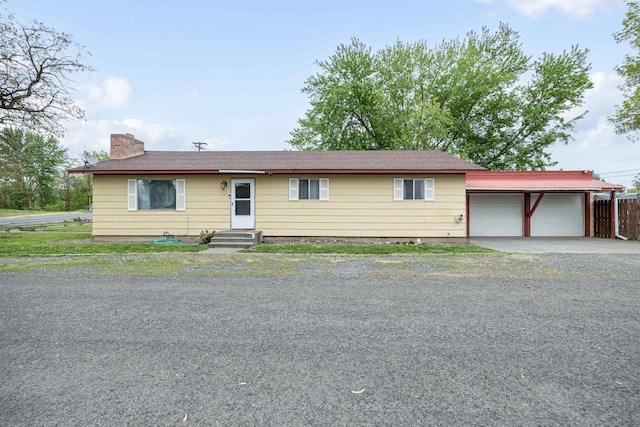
<point x="602" y="218"/>
<point x="628" y="218"/>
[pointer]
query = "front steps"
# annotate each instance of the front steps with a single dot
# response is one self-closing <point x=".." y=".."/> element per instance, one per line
<point x="236" y="239"/>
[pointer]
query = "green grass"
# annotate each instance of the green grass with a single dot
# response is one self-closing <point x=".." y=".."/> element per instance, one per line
<point x="35" y="244"/>
<point x="74" y="238"/>
<point x="379" y="249"/>
<point x="5" y="213"/>
<point x="65" y="227"/>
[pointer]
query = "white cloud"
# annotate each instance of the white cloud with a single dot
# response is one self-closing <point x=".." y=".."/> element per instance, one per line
<point x="605" y="82"/>
<point x="216" y="144"/>
<point x="95" y="135"/>
<point x="602" y="135"/>
<point x="114" y="92"/>
<point x="577" y="9"/>
<point x="605" y="94"/>
<point x="600" y="101"/>
<point x="151" y="133"/>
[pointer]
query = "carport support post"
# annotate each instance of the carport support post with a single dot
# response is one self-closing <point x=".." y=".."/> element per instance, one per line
<point x="612" y="214"/>
<point x="527" y="217"/>
<point x="528" y="212"/>
<point x="587" y="214"/>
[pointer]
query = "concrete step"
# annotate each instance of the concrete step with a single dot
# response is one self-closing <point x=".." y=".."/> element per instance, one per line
<point x="236" y="239"/>
<point x="240" y="245"/>
<point x="235" y="234"/>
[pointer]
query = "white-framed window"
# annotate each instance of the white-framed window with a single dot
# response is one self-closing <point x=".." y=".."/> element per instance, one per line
<point x="308" y="189"/>
<point x="156" y="194"/>
<point x="413" y="189"/>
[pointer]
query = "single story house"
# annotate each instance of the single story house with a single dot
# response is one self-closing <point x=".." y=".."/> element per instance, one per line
<point x="404" y="195"/>
<point x="341" y="194"/>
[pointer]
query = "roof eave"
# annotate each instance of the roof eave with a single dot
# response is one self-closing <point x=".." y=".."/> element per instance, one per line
<point x="266" y="171"/>
<point x="546" y="189"/>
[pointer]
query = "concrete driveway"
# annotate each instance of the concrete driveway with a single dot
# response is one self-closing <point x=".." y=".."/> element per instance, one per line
<point x="571" y="245"/>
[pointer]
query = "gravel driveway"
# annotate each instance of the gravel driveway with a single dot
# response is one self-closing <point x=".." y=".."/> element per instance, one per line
<point x="537" y="343"/>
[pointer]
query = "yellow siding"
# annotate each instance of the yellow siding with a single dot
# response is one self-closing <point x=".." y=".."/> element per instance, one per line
<point x="358" y="206"/>
<point x="361" y="206"/>
<point x="207" y="208"/>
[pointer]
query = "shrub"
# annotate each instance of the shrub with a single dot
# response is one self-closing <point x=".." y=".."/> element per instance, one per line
<point x="206" y="236"/>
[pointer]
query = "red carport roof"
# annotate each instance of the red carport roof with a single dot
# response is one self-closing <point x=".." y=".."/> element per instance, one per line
<point x="536" y="181"/>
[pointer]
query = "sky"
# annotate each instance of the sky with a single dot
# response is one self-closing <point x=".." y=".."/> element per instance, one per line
<point x="230" y="73"/>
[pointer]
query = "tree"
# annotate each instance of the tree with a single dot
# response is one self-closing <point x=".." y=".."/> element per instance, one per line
<point x="466" y="97"/>
<point x="75" y="191"/>
<point x="636" y="181"/>
<point x="627" y="116"/>
<point x="31" y="165"/>
<point x="36" y="66"/>
<point x="99" y="155"/>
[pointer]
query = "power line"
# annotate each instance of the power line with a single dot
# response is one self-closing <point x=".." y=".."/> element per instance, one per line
<point x="620" y="176"/>
<point x="626" y="170"/>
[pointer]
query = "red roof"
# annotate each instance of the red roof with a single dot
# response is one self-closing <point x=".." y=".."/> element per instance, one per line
<point x="536" y="181"/>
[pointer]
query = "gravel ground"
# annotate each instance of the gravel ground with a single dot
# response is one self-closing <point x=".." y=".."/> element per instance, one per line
<point x="480" y="340"/>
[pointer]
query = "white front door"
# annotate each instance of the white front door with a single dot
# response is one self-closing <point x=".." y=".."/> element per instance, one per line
<point x="243" y="203"/>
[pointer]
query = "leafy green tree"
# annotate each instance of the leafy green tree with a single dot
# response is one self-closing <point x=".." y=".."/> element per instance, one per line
<point x="37" y="64"/>
<point x="466" y="97"/>
<point x="65" y="189"/>
<point x="636" y="181"/>
<point x="627" y="116"/>
<point x="76" y="191"/>
<point x="31" y="164"/>
<point x="100" y="155"/>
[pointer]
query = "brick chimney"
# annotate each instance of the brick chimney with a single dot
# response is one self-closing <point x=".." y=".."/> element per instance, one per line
<point x="125" y="146"/>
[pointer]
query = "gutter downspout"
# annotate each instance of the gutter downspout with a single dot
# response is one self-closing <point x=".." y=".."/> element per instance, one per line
<point x="617" y="218"/>
<point x="612" y="215"/>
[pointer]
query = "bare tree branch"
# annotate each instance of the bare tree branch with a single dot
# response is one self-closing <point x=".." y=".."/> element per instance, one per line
<point x="37" y="66"/>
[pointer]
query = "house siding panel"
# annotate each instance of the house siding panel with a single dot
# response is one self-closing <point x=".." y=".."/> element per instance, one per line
<point x="358" y="206"/>
<point x="207" y="208"/>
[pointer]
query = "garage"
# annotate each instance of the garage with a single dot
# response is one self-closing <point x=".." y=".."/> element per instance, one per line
<point x="502" y="215"/>
<point x="496" y="214"/>
<point x="531" y="203"/>
<point x="558" y="215"/>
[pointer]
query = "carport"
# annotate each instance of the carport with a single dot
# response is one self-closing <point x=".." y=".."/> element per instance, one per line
<point x="532" y="203"/>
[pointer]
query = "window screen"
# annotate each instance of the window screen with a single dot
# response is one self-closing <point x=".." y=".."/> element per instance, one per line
<point x="156" y="194"/>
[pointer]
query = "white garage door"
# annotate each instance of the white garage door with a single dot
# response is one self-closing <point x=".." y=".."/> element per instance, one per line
<point x="496" y="214"/>
<point x="558" y="215"/>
